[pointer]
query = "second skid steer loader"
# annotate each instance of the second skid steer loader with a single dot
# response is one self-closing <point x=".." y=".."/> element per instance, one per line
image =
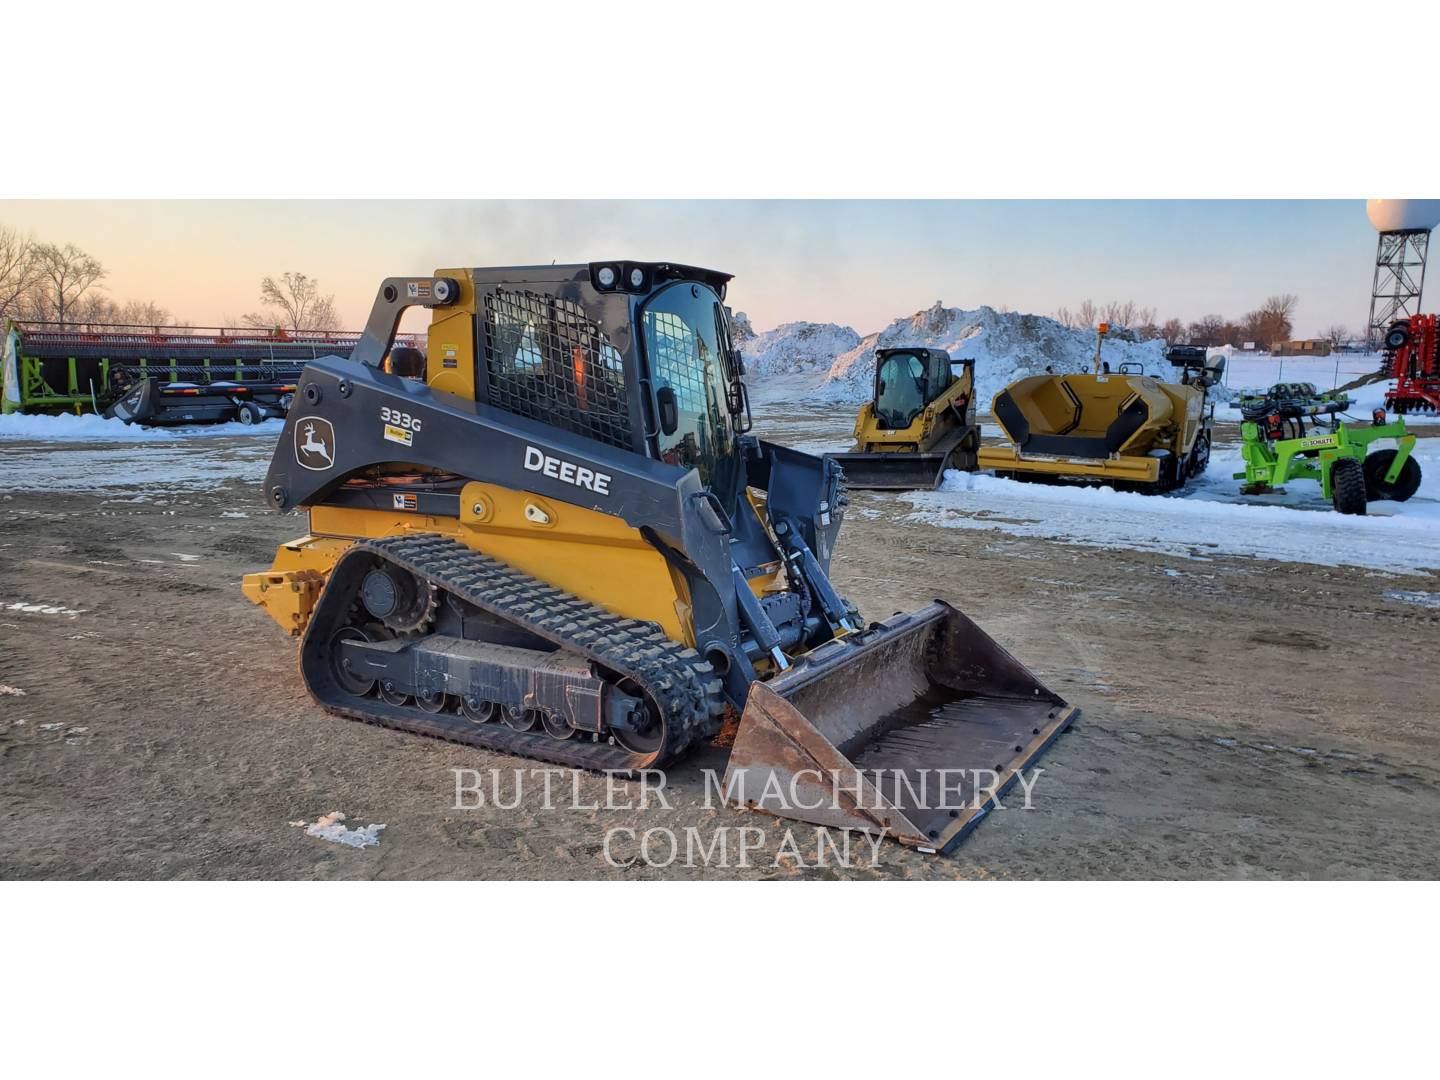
<point x="558" y="539"/>
<point x="920" y="422"/>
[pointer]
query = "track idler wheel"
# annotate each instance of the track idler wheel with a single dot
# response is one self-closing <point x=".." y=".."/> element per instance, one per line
<point x="349" y="680"/>
<point x="648" y="734"/>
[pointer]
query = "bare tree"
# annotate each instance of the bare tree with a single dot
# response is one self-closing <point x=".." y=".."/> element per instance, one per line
<point x="1174" y="332"/>
<point x="1120" y="314"/>
<point x="145" y="313"/>
<point x="1127" y="313"/>
<point x="1337" y="335"/>
<point x="294" y="303"/>
<point x="95" y="309"/>
<point x="1276" y="318"/>
<point x="19" y="271"/>
<point x="66" y="274"/>
<point x="1254" y="327"/>
<point x="91" y="309"/>
<point x="1082" y="318"/>
<point x="1209" y="330"/>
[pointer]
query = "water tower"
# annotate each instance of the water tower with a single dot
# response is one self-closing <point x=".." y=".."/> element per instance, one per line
<point x="1404" y="226"/>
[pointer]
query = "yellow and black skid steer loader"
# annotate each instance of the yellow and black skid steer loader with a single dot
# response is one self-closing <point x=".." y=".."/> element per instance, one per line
<point x="554" y="536"/>
<point x="919" y="422"/>
<point x="1124" y="429"/>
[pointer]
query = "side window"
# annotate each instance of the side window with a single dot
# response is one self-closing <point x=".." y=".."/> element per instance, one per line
<point x="685" y="355"/>
<point x="547" y="361"/>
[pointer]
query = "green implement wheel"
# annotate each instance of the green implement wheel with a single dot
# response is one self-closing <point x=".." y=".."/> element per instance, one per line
<point x="1347" y="484"/>
<point x="1405" y="485"/>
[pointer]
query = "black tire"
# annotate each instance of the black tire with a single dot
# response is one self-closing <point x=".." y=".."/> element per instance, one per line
<point x="249" y="413"/>
<point x="1405" y="485"/>
<point x="1200" y="454"/>
<point x="1398" y="336"/>
<point x="1347" y="486"/>
<point x="1171" y="473"/>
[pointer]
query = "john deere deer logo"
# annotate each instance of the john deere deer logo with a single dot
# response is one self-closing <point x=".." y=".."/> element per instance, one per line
<point x="315" y="443"/>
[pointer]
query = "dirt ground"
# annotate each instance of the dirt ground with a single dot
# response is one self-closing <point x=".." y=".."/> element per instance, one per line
<point x="1242" y="718"/>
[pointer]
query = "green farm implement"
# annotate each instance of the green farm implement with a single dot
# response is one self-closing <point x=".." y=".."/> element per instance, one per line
<point x="1278" y="446"/>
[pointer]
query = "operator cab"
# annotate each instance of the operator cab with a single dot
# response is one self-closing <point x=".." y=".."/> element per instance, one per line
<point x="906" y="380"/>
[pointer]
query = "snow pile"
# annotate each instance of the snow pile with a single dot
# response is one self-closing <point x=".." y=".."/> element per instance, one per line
<point x="330" y="828"/>
<point x="740" y="329"/>
<point x="67" y="427"/>
<point x="797" y="347"/>
<point x="1004" y="345"/>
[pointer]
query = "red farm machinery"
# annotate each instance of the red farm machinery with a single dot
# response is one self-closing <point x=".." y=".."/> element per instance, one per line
<point x="1412" y="351"/>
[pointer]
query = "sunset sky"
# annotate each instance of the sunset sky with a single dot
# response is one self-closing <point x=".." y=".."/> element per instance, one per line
<point x="862" y="263"/>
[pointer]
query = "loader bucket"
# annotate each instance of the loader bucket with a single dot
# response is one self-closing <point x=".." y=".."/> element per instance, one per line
<point x="913" y="728"/>
<point x="892" y="472"/>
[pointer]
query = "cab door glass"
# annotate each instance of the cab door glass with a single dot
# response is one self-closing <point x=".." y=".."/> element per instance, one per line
<point x="685" y="353"/>
<point x="901" y="390"/>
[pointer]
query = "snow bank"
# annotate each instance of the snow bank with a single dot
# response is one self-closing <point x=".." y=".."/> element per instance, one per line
<point x="330" y="828"/>
<point x="68" y="427"/>
<point x="1210" y="519"/>
<point x="797" y="347"/>
<point x="1004" y="345"/>
<point x="149" y="471"/>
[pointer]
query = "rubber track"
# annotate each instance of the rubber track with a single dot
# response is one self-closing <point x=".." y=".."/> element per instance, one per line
<point x="677" y="678"/>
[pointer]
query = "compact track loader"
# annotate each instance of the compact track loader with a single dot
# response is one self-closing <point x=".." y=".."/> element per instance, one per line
<point x="1126" y="430"/>
<point x="557" y="538"/>
<point x="920" y="422"/>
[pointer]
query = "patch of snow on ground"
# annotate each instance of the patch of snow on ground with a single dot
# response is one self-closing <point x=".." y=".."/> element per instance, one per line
<point x="41" y="609"/>
<point x="330" y="828"/>
<point x="1417" y="597"/>
<point x="152" y="470"/>
<point x="1211" y="518"/>
<point x="10" y="691"/>
<point x="91" y="428"/>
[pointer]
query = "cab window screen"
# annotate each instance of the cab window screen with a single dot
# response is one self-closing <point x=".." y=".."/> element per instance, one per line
<point x="548" y="362"/>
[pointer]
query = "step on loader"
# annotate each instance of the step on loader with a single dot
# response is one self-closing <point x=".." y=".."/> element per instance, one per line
<point x="558" y="538"/>
<point x="919" y="422"/>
